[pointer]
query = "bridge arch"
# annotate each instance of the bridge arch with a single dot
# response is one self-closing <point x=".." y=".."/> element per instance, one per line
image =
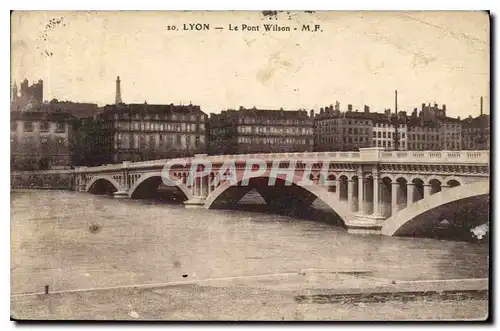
<point x="109" y="184"/>
<point x="155" y="178"/>
<point x="312" y="190"/>
<point x="452" y="180"/>
<point x="393" y="225"/>
<point x="345" y="174"/>
<point x="411" y="178"/>
<point x="441" y="179"/>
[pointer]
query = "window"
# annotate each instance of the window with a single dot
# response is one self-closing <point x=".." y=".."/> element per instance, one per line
<point x="60" y="143"/>
<point x="13" y="126"/>
<point x="44" y="126"/>
<point x="28" y="126"/>
<point x="44" y="144"/>
<point x="61" y="127"/>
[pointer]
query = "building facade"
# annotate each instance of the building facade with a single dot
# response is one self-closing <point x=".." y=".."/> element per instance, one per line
<point x="476" y="133"/>
<point x="423" y="136"/>
<point x="342" y="131"/>
<point x="427" y="129"/>
<point x="390" y="131"/>
<point x="260" y="131"/>
<point x="41" y="140"/>
<point x="451" y="133"/>
<point x="135" y="132"/>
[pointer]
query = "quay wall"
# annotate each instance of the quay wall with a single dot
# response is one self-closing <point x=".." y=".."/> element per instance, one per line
<point x="49" y="179"/>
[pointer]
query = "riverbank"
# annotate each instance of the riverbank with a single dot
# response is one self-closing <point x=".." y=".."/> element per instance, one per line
<point x="306" y="295"/>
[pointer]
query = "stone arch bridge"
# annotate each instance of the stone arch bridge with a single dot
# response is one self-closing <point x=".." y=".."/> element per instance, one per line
<point x="372" y="191"/>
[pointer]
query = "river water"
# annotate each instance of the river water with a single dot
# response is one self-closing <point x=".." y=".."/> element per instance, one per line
<point x="71" y="240"/>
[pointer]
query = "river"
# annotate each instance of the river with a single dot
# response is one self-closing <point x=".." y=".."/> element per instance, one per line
<point x="70" y="240"/>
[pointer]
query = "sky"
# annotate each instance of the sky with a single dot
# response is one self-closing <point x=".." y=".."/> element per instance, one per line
<point x="357" y="58"/>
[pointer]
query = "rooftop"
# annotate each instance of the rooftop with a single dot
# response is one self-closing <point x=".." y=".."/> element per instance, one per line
<point x="153" y="108"/>
<point x="41" y="116"/>
<point x="265" y="113"/>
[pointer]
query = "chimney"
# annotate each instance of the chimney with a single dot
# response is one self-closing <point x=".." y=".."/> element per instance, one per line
<point x="481" y="113"/>
<point x="367" y="109"/>
<point x="395" y="101"/>
<point x="423" y="106"/>
<point x="118" y="96"/>
<point x="349" y="107"/>
<point x="311" y="113"/>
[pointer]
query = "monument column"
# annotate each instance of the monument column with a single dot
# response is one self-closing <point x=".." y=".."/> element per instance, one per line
<point x="118" y="96"/>
<point x="376" y="202"/>
<point x="360" y="193"/>
<point x="394" y="198"/>
<point x="200" y="186"/>
<point x="410" y="187"/>
<point x="337" y="192"/>
<point x="350" y="185"/>
<point x="194" y="188"/>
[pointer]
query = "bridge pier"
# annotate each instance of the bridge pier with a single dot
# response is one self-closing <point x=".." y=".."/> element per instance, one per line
<point x="368" y="218"/>
<point x="195" y="202"/>
<point x="122" y="194"/>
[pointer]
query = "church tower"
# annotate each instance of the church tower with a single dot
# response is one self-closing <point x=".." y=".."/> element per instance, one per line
<point x="118" y="96"/>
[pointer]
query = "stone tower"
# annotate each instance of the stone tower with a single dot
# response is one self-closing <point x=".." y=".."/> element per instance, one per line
<point x="118" y="96"/>
<point x="15" y="94"/>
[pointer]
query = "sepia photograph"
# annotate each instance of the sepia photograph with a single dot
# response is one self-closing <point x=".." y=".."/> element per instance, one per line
<point x="264" y="165"/>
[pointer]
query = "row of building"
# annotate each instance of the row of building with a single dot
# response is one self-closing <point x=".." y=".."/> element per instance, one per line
<point x="46" y="135"/>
